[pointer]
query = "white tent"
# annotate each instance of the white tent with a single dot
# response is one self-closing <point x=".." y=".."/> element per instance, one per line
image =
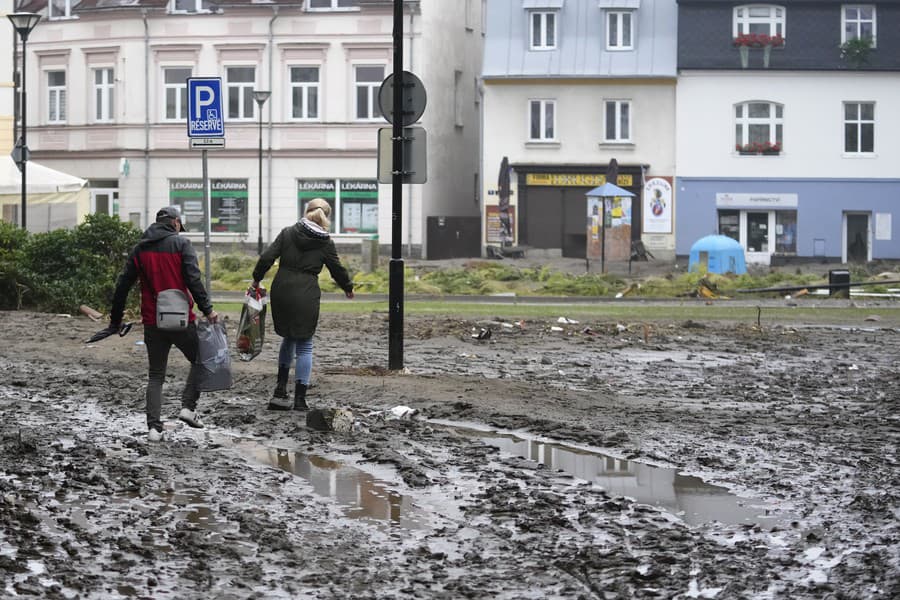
<point x="55" y="199"/>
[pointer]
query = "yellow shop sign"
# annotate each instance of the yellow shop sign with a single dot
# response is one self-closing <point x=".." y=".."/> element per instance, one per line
<point x="573" y="179"/>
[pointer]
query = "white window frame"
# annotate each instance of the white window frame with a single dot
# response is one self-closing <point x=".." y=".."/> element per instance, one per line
<point x="305" y="87"/>
<point x="104" y="94"/>
<point x="334" y="5"/>
<point x="198" y="6"/>
<point x="619" y="17"/>
<point x="180" y="91"/>
<point x="244" y="99"/>
<point x="858" y="22"/>
<point x="859" y="122"/>
<point x="744" y="19"/>
<point x="372" y="109"/>
<point x="56" y="98"/>
<point x="624" y="119"/>
<point x="67" y="10"/>
<point x="773" y="121"/>
<point x="547" y="26"/>
<point x="543" y="126"/>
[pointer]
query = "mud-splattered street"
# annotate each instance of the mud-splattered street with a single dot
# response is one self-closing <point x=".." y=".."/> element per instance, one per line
<point x="597" y="459"/>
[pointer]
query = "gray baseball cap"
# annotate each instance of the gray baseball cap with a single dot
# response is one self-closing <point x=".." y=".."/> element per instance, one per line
<point x="170" y="212"/>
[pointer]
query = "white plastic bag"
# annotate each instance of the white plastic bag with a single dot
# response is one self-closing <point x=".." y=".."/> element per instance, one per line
<point x="213" y="358"/>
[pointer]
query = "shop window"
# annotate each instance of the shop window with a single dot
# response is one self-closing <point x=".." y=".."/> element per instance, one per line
<point x="730" y="224"/>
<point x="354" y="202"/>
<point x="786" y="232"/>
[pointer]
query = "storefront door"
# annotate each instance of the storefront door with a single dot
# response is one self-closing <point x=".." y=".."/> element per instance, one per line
<point x="856" y="237"/>
<point x="757" y="232"/>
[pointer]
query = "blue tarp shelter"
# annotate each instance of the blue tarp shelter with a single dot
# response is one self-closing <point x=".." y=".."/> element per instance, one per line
<point x="717" y="254"/>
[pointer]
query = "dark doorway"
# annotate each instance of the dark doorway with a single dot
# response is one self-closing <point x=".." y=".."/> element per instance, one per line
<point x="454" y="237"/>
<point x="554" y="217"/>
<point x="857" y="238"/>
<point x="574" y="204"/>
<point x="541" y="218"/>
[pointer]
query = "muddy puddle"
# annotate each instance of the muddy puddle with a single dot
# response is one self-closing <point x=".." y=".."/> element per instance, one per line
<point x="358" y="494"/>
<point x="688" y="497"/>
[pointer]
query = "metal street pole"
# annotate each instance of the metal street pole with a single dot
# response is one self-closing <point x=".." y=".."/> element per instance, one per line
<point x="395" y="273"/>
<point x="23" y="23"/>
<point x="260" y="97"/>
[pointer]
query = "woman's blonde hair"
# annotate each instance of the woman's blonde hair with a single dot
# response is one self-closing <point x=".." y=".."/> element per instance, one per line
<point x="318" y="211"/>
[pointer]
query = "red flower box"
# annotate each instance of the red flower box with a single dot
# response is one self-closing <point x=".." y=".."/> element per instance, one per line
<point x="758" y="40"/>
<point x="759" y="148"/>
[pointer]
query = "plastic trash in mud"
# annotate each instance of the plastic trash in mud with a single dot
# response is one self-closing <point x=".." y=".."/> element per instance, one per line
<point x="629" y="290"/>
<point x="482" y="334"/>
<point x="566" y="321"/>
<point x="402" y="412"/>
<point x="397" y="413"/>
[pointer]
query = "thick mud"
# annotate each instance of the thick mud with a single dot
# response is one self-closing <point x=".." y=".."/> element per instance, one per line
<point x="792" y="428"/>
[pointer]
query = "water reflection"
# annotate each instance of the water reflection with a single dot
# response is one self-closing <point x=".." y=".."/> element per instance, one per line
<point x="690" y="498"/>
<point x="360" y="494"/>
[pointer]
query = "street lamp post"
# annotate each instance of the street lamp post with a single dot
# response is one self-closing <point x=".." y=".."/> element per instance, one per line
<point x="260" y="97"/>
<point x="23" y="23"/>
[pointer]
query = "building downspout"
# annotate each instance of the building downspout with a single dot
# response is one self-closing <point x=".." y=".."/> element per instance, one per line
<point x="482" y="183"/>
<point x="146" y="118"/>
<point x="271" y="106"/>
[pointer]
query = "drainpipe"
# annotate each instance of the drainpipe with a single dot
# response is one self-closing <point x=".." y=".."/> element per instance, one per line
<point x="146" y="118"/>
<point x="482" y="183"/>
<point x="271" y="106"/>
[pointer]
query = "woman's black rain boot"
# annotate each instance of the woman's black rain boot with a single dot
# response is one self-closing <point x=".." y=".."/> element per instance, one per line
<point x="279" y="396"/>
<point x="300" y="397"/>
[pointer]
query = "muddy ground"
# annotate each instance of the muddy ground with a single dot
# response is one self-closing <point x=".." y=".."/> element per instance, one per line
<point x="779" y="446"/>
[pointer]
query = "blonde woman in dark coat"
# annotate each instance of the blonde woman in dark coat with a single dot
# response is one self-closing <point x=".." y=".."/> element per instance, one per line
<point x="303" y="249"/>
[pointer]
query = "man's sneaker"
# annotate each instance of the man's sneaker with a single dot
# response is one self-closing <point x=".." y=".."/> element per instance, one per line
<point x="156" y="435"/>
<point x="191" y="418"/>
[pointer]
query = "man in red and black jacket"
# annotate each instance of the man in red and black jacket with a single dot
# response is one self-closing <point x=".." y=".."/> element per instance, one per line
<point x="164" y="260"/>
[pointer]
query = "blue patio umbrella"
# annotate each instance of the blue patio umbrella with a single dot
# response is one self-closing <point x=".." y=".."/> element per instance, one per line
<point x="609" y="190"/>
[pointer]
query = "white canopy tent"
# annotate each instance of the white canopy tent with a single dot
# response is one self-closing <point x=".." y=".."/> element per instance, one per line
<point x="55" y="199"/>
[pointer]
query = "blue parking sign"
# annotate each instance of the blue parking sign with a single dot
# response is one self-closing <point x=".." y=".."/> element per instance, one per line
<point x="205" y="118"/>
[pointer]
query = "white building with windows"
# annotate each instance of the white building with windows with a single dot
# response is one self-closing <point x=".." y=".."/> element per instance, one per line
<point x="787" y="114"/>
<point x="6" y="80"/>
<point x="568" y="86"/>
<point x="107" y="102"/>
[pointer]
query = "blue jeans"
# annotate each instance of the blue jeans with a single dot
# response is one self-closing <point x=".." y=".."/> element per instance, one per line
<point x="302" y="350"/>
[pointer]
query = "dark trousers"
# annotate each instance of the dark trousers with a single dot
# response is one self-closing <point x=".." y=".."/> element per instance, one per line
<point x="159" y="342"/>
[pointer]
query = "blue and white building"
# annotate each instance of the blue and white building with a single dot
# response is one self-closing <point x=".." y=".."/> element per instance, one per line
<point x="794" y="153"/>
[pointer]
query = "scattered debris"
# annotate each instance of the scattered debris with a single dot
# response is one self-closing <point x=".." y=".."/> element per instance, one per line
<point x="330" y="419"/>
<point x="873" y="318"/>
<point x="482" y="334"/>
<point x="566" y="320"/>
<point x="90" y="312"/>
<point x="631" y="288"/>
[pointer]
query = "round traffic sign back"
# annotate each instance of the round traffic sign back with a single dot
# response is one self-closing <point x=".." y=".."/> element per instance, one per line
<point x="413" y="98"/>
